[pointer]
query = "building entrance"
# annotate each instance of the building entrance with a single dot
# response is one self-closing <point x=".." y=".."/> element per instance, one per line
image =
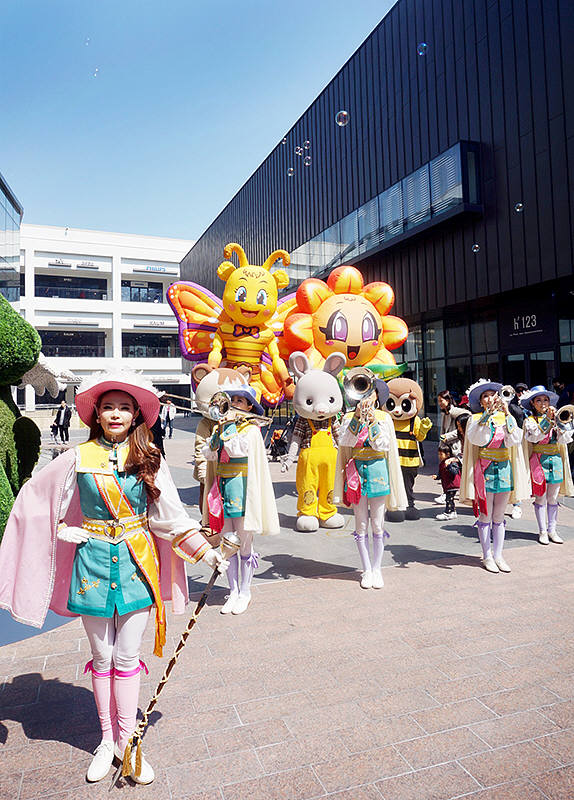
<point x="535" y="368"/>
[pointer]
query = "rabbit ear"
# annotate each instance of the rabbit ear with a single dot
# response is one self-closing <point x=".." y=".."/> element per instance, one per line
<point x="334" y="363"/>
<point x="299" y="363"/>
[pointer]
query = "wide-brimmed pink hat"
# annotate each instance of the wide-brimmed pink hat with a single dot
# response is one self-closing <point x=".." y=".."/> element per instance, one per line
<point x="133" y="383"/>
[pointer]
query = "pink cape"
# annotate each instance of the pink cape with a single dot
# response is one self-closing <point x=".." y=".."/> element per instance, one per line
<point x="35" y="566"/>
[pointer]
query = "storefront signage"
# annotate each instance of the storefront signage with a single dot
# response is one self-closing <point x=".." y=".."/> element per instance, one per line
<point x="532" y="324"/>
<point x="70" y="321"/>
<point x="57" y="262"/>
<point x="157" y="268"/>
<point x="153" y="323"/>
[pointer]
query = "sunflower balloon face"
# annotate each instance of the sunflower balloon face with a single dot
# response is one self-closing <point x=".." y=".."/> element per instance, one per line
<point x="345" y="316"/>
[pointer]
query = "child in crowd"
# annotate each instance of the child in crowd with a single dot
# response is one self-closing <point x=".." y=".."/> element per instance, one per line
<point x="449" y="473"/>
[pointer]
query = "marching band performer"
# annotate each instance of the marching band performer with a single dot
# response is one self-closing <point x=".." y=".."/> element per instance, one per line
<point x="493" y="469"/>
<point x="95" y="533"/>
<point x="241" y="490"/>
<point x="368" y="476"/>
<point x="546" y="440"/>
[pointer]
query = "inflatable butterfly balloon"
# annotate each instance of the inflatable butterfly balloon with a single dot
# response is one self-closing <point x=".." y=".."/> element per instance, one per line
<point x="242" y="328"/>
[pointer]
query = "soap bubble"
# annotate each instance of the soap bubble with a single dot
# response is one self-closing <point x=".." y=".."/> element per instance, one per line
<point x="475" y="248"/>
<point x="87" y="41"/>
<point x="307" y="161"/>
<point x="96" y="72"/>
<point x="519" y="208"/>
<point x="290" y="172"/>
<point x="284" y="141"/>
<point x="306" y="144"/>
<point x="342" y="118"/>
<point x="298" y="150"/>
<point x="422" y="48"/>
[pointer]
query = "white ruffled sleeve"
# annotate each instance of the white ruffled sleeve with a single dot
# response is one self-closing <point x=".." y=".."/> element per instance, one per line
<point x="166" y="515"/>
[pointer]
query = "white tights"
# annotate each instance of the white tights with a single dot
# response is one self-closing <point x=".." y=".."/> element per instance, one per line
<point x="550" y="496"/>
<point x="116" y="641"/>
<point x="495" y="505"/>
<point x="246" y="537"/>
<point x="377" y="506"/>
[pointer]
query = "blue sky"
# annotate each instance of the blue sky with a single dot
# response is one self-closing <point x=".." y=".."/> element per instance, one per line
<point x="146" y="117"/>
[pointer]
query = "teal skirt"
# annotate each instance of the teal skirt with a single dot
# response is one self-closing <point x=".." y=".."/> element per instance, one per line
<point x="106" y="579"/>
<point x="374" y="477"/>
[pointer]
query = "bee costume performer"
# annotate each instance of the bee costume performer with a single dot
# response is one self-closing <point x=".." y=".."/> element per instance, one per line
<point x="97" y="533"/>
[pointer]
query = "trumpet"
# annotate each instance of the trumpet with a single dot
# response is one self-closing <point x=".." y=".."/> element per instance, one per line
<point x="221" y="411"/>
<point x="358" y="384"/>
<point x="507" y="393"/>
<point x="564" y="418"/>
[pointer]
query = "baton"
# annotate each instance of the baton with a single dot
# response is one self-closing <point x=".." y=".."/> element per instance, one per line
<point x="229" y="547"/>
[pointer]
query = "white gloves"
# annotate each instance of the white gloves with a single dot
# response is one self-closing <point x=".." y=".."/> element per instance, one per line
<point x="73" y="534"/>
<point x="286" y="464"/>
<point x="214" y="559"/>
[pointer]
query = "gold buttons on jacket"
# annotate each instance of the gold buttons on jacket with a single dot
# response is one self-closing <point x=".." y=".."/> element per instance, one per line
<point x="113" y="585"/>
<point x="115" y="559"/>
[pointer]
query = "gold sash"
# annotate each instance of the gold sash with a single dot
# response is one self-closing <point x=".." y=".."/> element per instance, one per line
<point x="141" y="545"/>
<point x="546" y="449"/>
<point x="494" y="453"/>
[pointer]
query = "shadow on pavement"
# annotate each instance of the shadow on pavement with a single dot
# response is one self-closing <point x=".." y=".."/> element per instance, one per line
<point x="405" y="554"/>
<point x="284" y="565"/>
<point x="51" y="710"/>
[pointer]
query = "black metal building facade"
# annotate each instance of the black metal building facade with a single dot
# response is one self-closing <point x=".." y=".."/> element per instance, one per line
<point x="460" y="118"/>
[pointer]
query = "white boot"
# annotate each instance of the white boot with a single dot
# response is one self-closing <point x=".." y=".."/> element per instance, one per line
<point x="248" y="564"/>
<point x="367" y="579"/>
<point x="146" y="775"/>
<point x="490" y="564"/>
<point x="101" y="762"/>
<point x="233" y="578"/>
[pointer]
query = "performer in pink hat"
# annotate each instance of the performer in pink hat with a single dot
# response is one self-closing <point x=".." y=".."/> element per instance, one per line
<point x="96" y="534"/>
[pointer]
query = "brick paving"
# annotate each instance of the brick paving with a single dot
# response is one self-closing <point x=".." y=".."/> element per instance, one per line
<point x="449" y="682"/>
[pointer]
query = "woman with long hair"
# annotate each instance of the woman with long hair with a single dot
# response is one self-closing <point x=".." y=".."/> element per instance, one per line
<point x="94" y="534"/>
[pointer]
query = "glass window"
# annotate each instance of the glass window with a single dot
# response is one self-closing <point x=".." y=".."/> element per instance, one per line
<point x="316" y="253"/>
<point x="64" y="286"/>
<point x="391" y="211"/>
<point x="472" y="172"/>
<point x="457" y="339"/>
<point x="142" y="292"/>
<point x="74" y="344"/>
<point x="567" y="363"/>
<point x="414" y="345"/>
<point x="416" y="197"/>
<point x="566" y="327"/>
<point x="434" y="340"/>
<point x="458" y="374"/>
<point x="446" y="180"/>
<point x="369" y="232"/>
<point x="332" y="244"/>
<point x="484" y="335"/>
<point x="349" y="237"/>
<point x="150" y="345"/>
<point x="486" y="366"/>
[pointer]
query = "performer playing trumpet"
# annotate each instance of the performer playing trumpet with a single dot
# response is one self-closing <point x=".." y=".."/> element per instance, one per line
<point x="368" y="475"/>
<point x="547" y="454"/>
<point x="493" y="470"/>
<point x="238" y="473"/>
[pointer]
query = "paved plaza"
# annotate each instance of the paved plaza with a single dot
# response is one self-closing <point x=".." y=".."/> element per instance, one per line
<point x="448" y="682"/>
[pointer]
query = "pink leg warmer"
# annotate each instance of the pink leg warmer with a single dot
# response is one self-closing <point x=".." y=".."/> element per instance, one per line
<point x="105" y="701"/>
<point x="126" y="690"/>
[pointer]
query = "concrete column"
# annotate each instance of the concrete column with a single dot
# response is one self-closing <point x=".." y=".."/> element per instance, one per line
<point x="117" y="307"/>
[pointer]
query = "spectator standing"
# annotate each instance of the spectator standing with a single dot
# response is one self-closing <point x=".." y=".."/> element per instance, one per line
<point x="449" y="413"/>
<point x="167" y="414"/>
<point x="63" y="416"/>
<point x="449" y="470"/>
